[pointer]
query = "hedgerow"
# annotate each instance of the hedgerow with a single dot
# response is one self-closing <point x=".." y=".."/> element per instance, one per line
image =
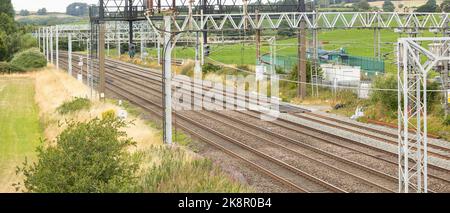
<point x="29" y="59"/>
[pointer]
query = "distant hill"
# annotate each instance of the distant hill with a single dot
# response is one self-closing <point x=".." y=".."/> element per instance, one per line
<point x="51" y="19"/>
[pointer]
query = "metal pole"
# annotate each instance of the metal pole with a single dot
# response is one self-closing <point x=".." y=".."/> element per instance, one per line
<point x="405" y="147"/>
<point x="375" y="43"/>
<point x="399" y="117"/>
<point x="418" y="133"/>
<point x="107" y="45"/>
<point x="197" y="68"/>
<point x="142" y="44"/>
<point x="301" y="68"/>
<point x="57" y="47"/>
<point x="101" y="61"/>
<point x="445" y="73"/>
<point x="167" y="72"/>
<point x="202" y="44"/>
<point x="51" y="45"/>
<point x="43" y="42"/>
<point x="39" y="38"/>
<point x="118" y="40"/>
<point x="130" y="34"/>
<point x="159" y="47"/>
<point x="205" y="32"/>
<point x="258" y="42"/>
<point x="46" y="45"/>
<point x="87" y="64"/>
<point x="69" y="54"/>
<point x="425" y="134"/>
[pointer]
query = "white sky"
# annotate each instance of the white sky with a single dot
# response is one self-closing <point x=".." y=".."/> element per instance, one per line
<point x="51" y="5"/>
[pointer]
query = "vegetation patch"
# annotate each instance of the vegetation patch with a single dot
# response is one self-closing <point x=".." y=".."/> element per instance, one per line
<point x="29" y="59"/>
<point x="6" y="67"/>
<point x="88" y="157"/>
<point x="175" y="171"/>
<point x="75" y="105"/>
<point x="20" y="129"/>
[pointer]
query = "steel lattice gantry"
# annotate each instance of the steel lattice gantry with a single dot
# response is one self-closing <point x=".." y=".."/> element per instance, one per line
<point x="313" y="20"/>
<point x="415" y="61"/>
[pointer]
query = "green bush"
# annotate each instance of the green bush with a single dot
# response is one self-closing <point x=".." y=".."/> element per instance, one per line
<point x="388" y="99"/>
<point x="446" y="120"/>
<point x="29" y="59"/>
<point x="293" y="75"/>
<point x="208" y="67"/>
<point x="88" y="157"/>
<point x="6" y="67"/>
<point x="75" y="105"/>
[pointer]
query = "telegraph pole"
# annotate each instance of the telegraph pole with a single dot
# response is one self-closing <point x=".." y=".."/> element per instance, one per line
<point x="301" y="68"/>
<point x="445" y="79"/>
<point x="258" y="42"/>
<point x="205" y="32"/>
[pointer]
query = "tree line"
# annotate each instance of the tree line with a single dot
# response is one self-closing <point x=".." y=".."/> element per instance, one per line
<point x="13" y="37"/>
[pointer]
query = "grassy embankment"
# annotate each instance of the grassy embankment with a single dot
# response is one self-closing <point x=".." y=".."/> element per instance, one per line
<point x="162" y="169"/>
<point x="20" y="128"/>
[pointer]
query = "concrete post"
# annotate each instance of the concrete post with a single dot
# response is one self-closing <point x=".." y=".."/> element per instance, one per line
<point x="69" y="60"/>
<point x="167" y="73"/>
<point x="51" y="45"/>
<point x="101" y="59"/>
<point x="39" y="38"/>
<point x="57" y="47"/>
<point x="142" y="44"/>
<point x="47" y="40"/>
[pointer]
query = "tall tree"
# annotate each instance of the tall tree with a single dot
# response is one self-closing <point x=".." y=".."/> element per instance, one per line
<point x="362" y="5"/>
<point x="445" y="6"/>
<point x="24" y="13"/>
<point x="77" y="9"/>
<point x="7" y="8"/>
<point x="428" y="7"/>
<point x="388" y="6"/>
<point x="42" y="12"/>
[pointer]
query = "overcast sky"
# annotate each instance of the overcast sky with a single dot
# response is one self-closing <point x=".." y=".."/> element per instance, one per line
<point x="51" y="5"/>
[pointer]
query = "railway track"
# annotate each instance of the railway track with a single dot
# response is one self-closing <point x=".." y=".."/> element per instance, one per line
<point x="140" y="81"/>
<point x="363" y="130"/>
<point x="284" y="173"/>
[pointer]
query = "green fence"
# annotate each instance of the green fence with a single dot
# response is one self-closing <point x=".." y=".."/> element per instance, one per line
<point x="368" y="65"/>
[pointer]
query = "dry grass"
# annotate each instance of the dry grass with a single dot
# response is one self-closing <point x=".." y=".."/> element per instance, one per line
<point x="53" y="88"/>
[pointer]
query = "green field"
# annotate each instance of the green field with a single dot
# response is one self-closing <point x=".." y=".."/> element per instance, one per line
<point x="357" y="42"/>
<point x="19" y="127"/>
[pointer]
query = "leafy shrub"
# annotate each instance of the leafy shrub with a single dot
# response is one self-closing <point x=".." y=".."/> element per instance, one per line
<point x="293" y="75"/>
<point x="88" y="157"/>
<point x="29" y="59"/>
<point x="388" y="99"/>
<point x="446" y="121"/>
<point x="111" y="114"/>
<point x="6" y="67"/>
<point x="75" y="105"/>
<point x="208" y="67"/>
<point x="27" y="41"/>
